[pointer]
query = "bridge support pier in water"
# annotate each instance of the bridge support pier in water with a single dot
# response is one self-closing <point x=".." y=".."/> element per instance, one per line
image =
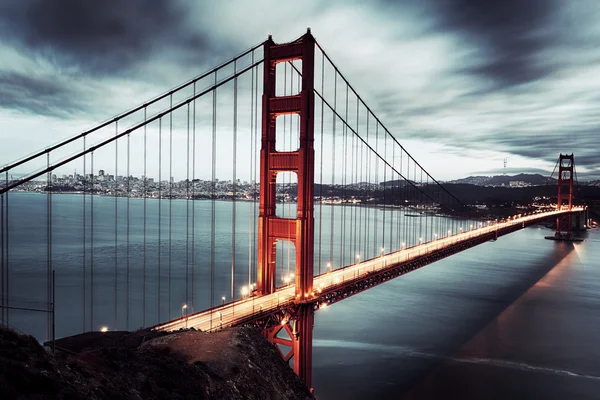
<point x="292" y="334"/>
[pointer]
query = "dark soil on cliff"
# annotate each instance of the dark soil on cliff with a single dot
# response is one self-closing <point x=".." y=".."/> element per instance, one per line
<point x="236" y="363"/>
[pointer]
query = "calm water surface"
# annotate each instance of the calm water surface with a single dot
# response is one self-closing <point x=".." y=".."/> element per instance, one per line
<point x="517" y="318"/>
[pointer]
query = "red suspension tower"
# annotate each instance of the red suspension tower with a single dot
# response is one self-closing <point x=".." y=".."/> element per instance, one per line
<point x="564" y="225"/>
<point x="299" y="230"/>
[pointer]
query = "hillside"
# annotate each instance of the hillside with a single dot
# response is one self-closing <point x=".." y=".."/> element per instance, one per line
<point x="504" y="180"/>
<point x="236" y="363"/>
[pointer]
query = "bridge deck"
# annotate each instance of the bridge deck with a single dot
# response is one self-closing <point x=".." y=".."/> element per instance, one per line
<point x="253" y="307"/>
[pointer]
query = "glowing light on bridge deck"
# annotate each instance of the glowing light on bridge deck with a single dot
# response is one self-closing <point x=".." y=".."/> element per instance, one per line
<point x="358" y="257"/>
<point x="449" y="232"/>
<point x="403" y="244"/>
<point x="104" y="329"/>
<point x="382" y="250"/>
<point x="322" y="306"/>
<point x="244" y="290"/>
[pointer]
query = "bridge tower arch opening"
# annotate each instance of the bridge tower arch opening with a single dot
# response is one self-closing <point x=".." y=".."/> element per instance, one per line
<point x="299" y="230"/>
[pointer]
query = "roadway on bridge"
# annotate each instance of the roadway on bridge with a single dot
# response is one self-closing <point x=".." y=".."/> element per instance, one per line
<point x="239" y="311"/>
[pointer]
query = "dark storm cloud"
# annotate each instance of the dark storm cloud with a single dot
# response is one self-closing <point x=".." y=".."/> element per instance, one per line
<point x="38" y="95"/>
<point x="510" y="34"/>
<point x="101" y="37"/>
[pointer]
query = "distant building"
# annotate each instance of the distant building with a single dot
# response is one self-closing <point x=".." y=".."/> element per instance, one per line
<point x="513" y="184"/>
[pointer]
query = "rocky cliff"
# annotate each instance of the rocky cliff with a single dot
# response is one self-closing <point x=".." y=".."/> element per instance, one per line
<point x="235" y="363"/>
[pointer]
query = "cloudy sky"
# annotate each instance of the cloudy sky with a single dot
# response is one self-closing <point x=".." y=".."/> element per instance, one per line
<point x="462" y="84"/>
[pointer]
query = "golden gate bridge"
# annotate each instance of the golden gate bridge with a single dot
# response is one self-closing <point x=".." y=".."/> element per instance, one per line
<point x="333" y="205"/>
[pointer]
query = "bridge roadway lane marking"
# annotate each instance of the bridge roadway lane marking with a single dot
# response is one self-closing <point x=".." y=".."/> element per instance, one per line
<point x="231" y="313"/>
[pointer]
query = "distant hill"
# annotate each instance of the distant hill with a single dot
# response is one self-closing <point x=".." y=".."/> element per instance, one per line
<point x="504" y="180"/>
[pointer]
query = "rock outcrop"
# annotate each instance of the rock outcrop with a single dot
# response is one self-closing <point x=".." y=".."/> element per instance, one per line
<point x="236" y="363"/>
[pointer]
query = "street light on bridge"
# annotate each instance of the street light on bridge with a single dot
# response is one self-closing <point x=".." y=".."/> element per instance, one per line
<point x="183" y="308"/>
<point x="244" y="291"/>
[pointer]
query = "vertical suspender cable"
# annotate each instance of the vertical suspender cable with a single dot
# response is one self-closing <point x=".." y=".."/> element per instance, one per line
<point x="358" y="211"/>
<point x="92" y="242"/>
<point x="193" y="197"/>
<point x="49" y="247"/>
<point x="7" y="264"/>
<point x="377" y="180"/>
<point x="392" y="201"/>
<point x="83" y="302"/>
<point x="234" y="161"/>
<point x="384" y="191"/>
<point x="213" y="195"/>
<point x="170" y="201"/>
<point x="128" y="226"/>
<point x="6" y="252"/>
<point x="187" y="207"/>
<point x="2" y="283"/>
<point x="158" y="302"/>
<point x="368" y="196"/>
<point x="321" y="161"/>
<point x="344" y="182"/>
<point x="332" y="221"/>
<point x="145" y="224"/>
<point x="116" y="221"/>
<point x="256" y="137"/>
